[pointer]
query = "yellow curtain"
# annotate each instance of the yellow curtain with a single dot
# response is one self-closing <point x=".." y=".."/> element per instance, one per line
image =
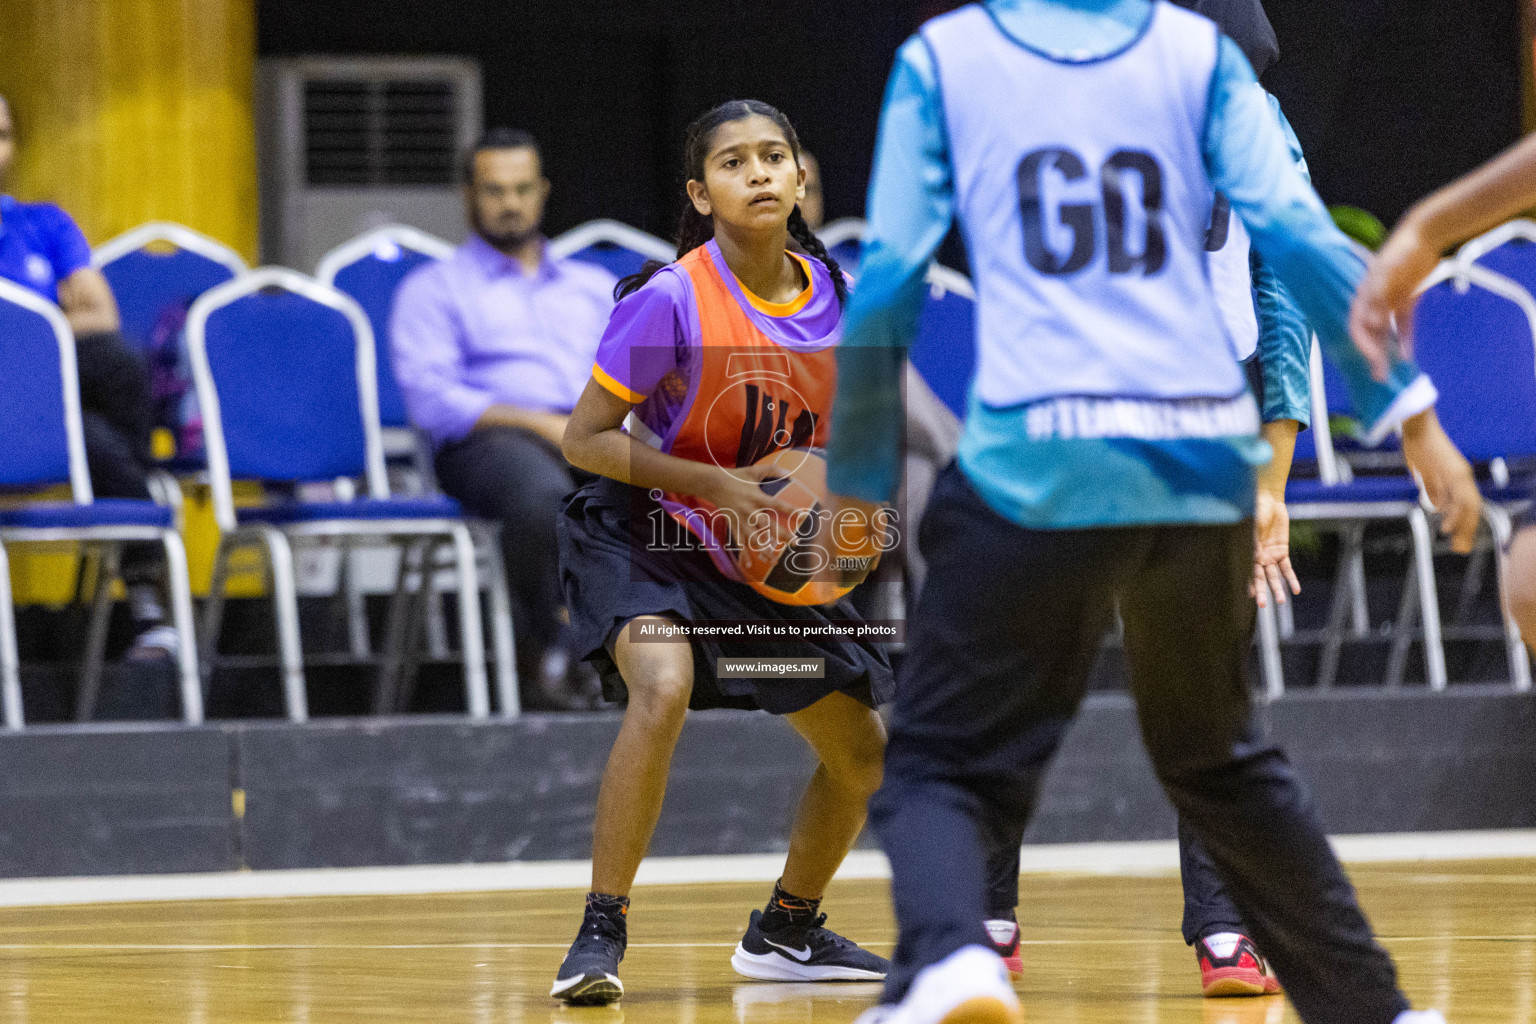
<point x="135" y="110"/>
<point x="128" y="111"/>
<point x="1528" y="60"/>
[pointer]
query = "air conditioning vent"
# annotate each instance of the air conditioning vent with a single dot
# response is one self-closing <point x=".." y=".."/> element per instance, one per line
<point x="379" y="132"/>
<point x="349" y="143"/>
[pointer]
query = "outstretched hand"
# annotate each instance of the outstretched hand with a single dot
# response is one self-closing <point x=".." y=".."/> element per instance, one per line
<point x="1272" y="572"/>
<point x="1447" y="478"/>
<point x="1386" y="297"/>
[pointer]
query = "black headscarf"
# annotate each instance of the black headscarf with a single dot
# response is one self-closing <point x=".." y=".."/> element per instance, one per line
<point x="1245" y="22"/>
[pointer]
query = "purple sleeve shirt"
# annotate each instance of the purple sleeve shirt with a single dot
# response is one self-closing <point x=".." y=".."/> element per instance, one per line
<point x="475" y="330"/>
<point x="652" y="352"/>
<point x="648" y="336"/>
<point x="649" y="353"/>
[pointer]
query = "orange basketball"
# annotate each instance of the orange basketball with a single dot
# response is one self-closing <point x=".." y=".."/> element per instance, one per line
<point x="829" y="551"/>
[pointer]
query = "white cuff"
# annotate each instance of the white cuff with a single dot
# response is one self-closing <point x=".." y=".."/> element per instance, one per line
<point x="1413" y="399"/>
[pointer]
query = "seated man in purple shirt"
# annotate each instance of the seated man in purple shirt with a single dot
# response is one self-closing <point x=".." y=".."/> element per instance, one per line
<point x="492" y="347"/>
<point x="43" y="250"/>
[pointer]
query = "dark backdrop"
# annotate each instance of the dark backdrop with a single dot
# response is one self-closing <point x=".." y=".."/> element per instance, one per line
<point x="610" y="87"/>
<point x="1390" y="99"/>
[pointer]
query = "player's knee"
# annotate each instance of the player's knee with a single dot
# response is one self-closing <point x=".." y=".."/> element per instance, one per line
<point x="662" y="694"/>
<point x="1520" y="583"/>
<point x="859" y="764"/>
<point x="1521" y="597"/>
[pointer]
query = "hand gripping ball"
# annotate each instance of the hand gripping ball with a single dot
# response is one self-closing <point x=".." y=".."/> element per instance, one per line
<point x="827" y="551"/>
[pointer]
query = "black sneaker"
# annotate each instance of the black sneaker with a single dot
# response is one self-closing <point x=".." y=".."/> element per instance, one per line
<point x="590" y="974"/>
<point x="806" y="952"/>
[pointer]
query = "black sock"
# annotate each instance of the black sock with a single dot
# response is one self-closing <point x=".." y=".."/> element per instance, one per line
<point x="615" y="908"/>
<point x="785" y="910"/>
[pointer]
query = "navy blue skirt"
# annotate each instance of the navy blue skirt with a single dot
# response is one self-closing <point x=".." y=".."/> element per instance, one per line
<point x="610" y="576"/>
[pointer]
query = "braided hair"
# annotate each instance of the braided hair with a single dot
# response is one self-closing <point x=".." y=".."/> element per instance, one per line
<point x="695" y="229"/>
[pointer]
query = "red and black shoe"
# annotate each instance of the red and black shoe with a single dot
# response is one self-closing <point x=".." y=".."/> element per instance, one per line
<point x="1230" y="965"/>
<point x="1005" y="940"/>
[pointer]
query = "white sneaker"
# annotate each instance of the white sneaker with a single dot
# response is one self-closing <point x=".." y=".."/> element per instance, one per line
<point x="970" y="986"/>
<point x="1005" y="943"/>
<point x="155" y="642"/>
<point x="1420" y="1017"/>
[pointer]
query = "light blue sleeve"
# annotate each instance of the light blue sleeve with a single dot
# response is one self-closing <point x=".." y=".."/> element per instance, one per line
<point x="1285" y="348"/>
<point x="911" y="205"/>
<point x="1285" y="339"/>
<point x="1248" y="158"/>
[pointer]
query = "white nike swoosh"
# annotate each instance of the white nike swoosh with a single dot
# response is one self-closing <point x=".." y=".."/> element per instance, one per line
<point x="801" y="955"/>
<point x="565" y="984"/>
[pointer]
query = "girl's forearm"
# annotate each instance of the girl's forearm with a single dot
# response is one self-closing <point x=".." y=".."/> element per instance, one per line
<point x="1281" y="435"/>
<point x="620" y="456"/>
<point x="1483" y="199"/>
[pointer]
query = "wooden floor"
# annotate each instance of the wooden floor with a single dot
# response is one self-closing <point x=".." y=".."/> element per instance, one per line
<point x="1097" y="949"/>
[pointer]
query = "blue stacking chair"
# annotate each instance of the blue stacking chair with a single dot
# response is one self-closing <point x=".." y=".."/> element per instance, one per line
<point x="944" y="351"/>
<point x="370" y="268"/>
<point x="843" y="240"/>
<point x="1509" y="249"/>
<point x="42" y="443"/>
<point x="1336" y="496"/>
<point x="159" y="266"/>
<point x="285" y="370"/>
<point x="1316" y="459"/>
<point x="1475" y="335"/>
<point x="618" y="248"/>
<point x="154" y="269"/>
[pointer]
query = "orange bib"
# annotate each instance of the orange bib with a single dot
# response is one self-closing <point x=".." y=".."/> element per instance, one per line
<point x="757" y="399"/>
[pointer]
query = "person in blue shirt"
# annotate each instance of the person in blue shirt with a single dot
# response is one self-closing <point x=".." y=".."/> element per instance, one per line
<point x="1108" y="460"/>
<point x="42" y="249"/>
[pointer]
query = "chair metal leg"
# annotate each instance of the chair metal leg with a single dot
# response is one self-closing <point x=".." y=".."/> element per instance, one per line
<point x="285" y="608"/>
<point x="1339" y="607"/>
<point x="393" y="656"/>
<point x="213" y="609"/>
<point x="82" y="568"/>
<point x="422" y="459"/>
<point x="89" y="685"/>
<point x="1403" y="627"/>
<point x="1270" y="666"/>
<point x="415" y="620"/>
<point x="1359" y="610"/>
<point x="358" y="640"/>
<point x="432" y="607"/>
<point x="505" y="648"/>
<point x="471" y="636"/>
<point x="1472" y="580"/>
<point x="180" y="585"/>
<point x="1514" y="645"/>
<point x="1429" y="598"/>
<point x="10" y="659"/>
<point x="432" y="618"/>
